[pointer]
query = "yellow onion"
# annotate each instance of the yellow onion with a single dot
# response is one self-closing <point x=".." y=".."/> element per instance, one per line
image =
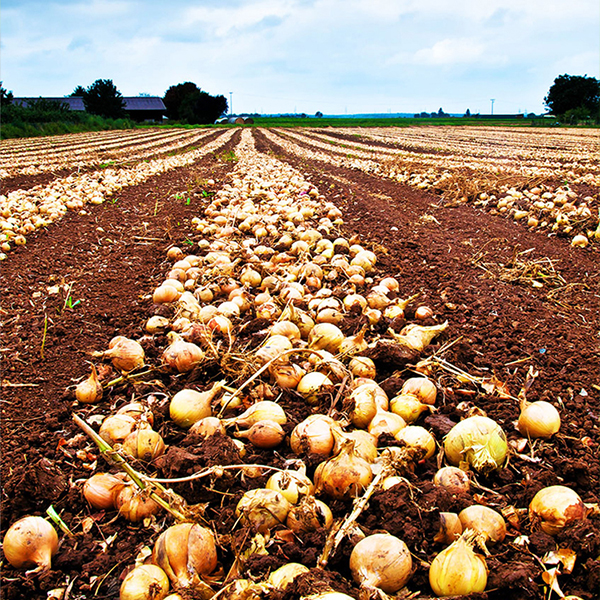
<point x="207" y="427"/>
<point x="386" y="422"/>
<point x="262" y="509"/>
<point x="311" y="384"/>
<point x="423" y="312"/>
<point x="379" y="395"/>
<point x="309" y="515"/>
<point x="408" y="407"/>
<point x="418" y="337"/>
<point x="157" y="324"/>
<point x="90" y="390"/>
<point x="286" y="328"/>
<point x="365" y="444"/>
<point x="144" y="444"/>
<point x="273" y="347"/>
<point x="146" y="582"/>
<point x="188" y="406"/>
<point x="362" y="406"/>
<point x="181" y="356"/>
<point x="354" y="344"/>
<point x="453" y="478"/>
<point x="555" y="507"/>
<point x="134" y="504"/>
<point x="186" y="552"/>
<point x="125" y="354"/>
<point x="265" y="409"/>
<point x="139" y="411"/>
<point x="294" y="485"/>
<point x="538" y="419"/>
<point x="331" y="595"/>
<point x="264" y="434"/>
<point x="477" y="441"/>
<point x="115" y="428"/>
<point x="345" y="475"/>
<point x="485" y="521"/>
<point x="314" y="435"/>
<point x="30" y="542"/>
<point x="458" y="570"/>
<point x="421" y="387"/>
<point x="286" y="375"/>
<point x="101" y="488"/>
<point x="361" y="366"/>
<point x="450" y="528"/>
<point x="165" y="293"/>
<point x="282" y="577"/>
<point x="381" y="561"/>
<point x="325" y="336"/>
<point x="418" y="437"/>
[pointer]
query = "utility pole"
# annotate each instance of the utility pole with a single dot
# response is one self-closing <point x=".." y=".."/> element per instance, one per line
<point x="230" y="104"/>
<point x="493" y="100"/>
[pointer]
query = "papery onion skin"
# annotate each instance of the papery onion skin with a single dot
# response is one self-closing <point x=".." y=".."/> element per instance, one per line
<point x="185" y="552"/>
<point x="101" y="489"/>
<point x="421" y="387"/>
<point x="538" y="419"/>
<point x="125" y="354"/>
<point x="555" y="507"/>
<point x="314" y="435"/>
<point x="294" y="485"/>
<point x="452" y="477"/>
<point x="146" y="582"/>
<point x="264" y="434"/>
<point x="418" y="437"/>
<point x="310" y="514"/>
<point x="30" y="542"/>
<point x="189" y="406"/>
<point x="144" y="444"/>
<point x="90" y="390"/>
<point x="262" y="509"/>
<point x="282" y="577"/>
<point x="484" y="521"/>
<point x="133" y="505"/>
<point x="381" y="560"/>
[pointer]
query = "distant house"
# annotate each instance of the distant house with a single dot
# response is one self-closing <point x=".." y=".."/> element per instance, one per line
<point x="139" y="108"/>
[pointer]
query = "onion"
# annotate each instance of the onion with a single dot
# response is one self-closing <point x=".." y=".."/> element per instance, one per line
<point x="555" y="507"/>
<point x="418" y="437"/>
<point x="311" y="384"/>
<point x="265" y="409"/>
<point x="327" y="596"/>
<point x="538" y="419"/>
<point x="421" y="387"/>
<point x="294" y="485"/>
<point x="124" y="353"/>
<point x="477" y="441"/>
<point x="101" y="488"/>
<point x="264" y="434"/>
<point x="262" y="509"/>
<point x="484" y="521"/>
<point x="450" y="528"/>
<point x="325" y="336"/>
<point x="115" y="428"/>
<point x="365" y="444"/>
<point x="165" y="293"/>
<point x="282" y="577"/>
<point x="345" y="475"/>
<point x="181" y="356"/>
<point x="457" y="570"/>
<point x="386" y="422"/>
<point x="309" y="515"/>
<point x="207" y="427"/>
<point x="408" y="407"/>
<point x="361" y="366"/>
<point x="144" y="444"/>
<point x="134" y="505"/>
<point x="314" y="435"/>
<point x="30" y="542"/>
<point x="90" y="390"/>
<point x="363" y="406"/>
<point x="381" y="561"/>
<point x="146" y="582"/>
<point x="286" y="328"/>
<point x="189" y="406"/>
<point x="157" y="324"/>
<point x="423" y="312"/>
<point x="354" y="344"/>
<point x="452" y="477"/>
<point x="287" y="376"/>
<point x="186" y="552"/>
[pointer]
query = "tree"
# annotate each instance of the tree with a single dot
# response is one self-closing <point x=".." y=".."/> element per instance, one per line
<point x="570" y="92"/>
<point x="78" y="91"/>
<point x="6" y="97"/>
<point x="467" y="113"/>
<point x="104" y="99"/>
<point x="319" y="114"/>
<point x="187" y="102"/>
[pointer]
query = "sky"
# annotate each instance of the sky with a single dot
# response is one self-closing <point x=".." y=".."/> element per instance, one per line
<point x="304" y="56"/>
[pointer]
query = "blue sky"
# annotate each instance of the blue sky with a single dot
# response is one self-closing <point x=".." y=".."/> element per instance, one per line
<point x="333" y="56"/>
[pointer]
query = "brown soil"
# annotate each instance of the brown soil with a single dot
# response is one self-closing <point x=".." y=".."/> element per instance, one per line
<point x="111" y="257"/>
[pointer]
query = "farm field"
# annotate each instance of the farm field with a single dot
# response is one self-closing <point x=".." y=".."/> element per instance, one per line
<point x="468" y="256"/>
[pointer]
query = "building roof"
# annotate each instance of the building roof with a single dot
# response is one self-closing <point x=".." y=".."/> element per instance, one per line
<point x="132" y="103"/>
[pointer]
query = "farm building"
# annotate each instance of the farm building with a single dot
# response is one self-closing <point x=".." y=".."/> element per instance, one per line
<point x="140" y="108"/>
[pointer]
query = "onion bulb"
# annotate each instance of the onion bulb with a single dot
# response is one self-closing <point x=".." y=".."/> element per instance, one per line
<point x="365" y="444"/>
<point x="146" y="582"/>
<point x="101" y="488"/>
<point x="382" y="561"/>
<point x="484" y="521"/>
<point x="458" y="570"/>
<point x="327" y="596"/>
<point x="30" y="542"/>
<point x="363" y="406"/>
<point x="325" y="336"/>
<point x="418" y="437"/>
<point x="134" y="505"/>
<point x="477" y="441"/>
<point x="115" y="428"/>
<point x="186" y="552"/>
<point x="207" y="427"/>
<point x="262" y="509"/>
<point x="188" y="406"/>
<point x="124" y="353"/>
<point x="361" y="366"/>
<point x="309" y="515"/>
<point x="386" y="422"/>
<point x="555" y="507"/>
<point x="144" y="444"/>
<point x="345" y="475"/>
<point x="314" y="435"/>
<point x="264" y="434"/>
<point x="409" y="407"/>
<point x="452" y="477"/>
<point x="294" y="485"/>
<point x="421" y="387"/>
<point x="181" y="356"/>
<point x="538" y="419"/>
<point x="311" y="384"/>
<point x="90" y="390"/>
<point x="450" y="528"/>
<point x="282" y="577"/>
<point x="265" y="409"/>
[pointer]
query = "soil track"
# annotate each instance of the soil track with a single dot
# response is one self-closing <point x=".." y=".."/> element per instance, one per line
<point x="111" y="257"/>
